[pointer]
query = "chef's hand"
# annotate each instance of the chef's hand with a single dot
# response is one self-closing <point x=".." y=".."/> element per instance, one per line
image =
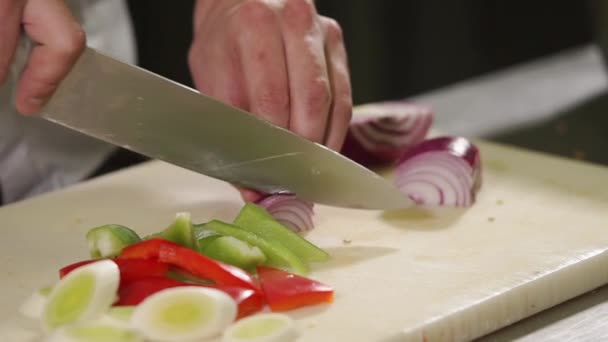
<point x="278" y="59"/>
<point x="58" y="39"/>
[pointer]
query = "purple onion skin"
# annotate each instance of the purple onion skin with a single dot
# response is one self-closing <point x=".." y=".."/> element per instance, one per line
<point x="458" y="146"/>
<point x="356" y="152"/>
<point x="385" y="155"/>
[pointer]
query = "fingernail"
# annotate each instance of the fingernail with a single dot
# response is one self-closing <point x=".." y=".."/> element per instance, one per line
<point x="250" y="195"/>
<point x="31" y="105"/>
<point x="36" y="101"/>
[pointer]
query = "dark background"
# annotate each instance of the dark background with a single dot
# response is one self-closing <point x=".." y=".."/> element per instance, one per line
<point x="399" y="47"/>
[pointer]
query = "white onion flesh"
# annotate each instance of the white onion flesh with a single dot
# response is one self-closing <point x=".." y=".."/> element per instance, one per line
<point x="291" y="211"/>
<point x="442" y="172"/>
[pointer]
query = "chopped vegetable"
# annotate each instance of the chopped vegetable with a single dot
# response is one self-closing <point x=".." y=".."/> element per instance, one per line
<point x="33" y="306"/>
<point x="443" y="171"/>
<point x="233" y="251"/>
<point x="380" y="133"/>
<point x="265" y="327"/>
<point x="290" y="211"/>
<point x="180" y="231"/>
<point x="95" y="331"/>
<point x="120" y="314"/>
<point x="107" y="241"/>
<point x="285" y="291"/>
<point x="184" y="314"/>
<point x="248" y="301"/>
<point x="86" y="293"/>
<point x="130" y="269"/>
<point x="276" y="253"/>
<point x="136" y="292"/>
<point x="183" y="275"/>
<point x="256" y="219"/>
<point x="191" y="261"/>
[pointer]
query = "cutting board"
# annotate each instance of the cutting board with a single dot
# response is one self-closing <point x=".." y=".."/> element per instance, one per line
<point x="537" y="236"/>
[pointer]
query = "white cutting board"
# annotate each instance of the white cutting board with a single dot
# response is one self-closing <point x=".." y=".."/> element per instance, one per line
<point x="537" y="236"/>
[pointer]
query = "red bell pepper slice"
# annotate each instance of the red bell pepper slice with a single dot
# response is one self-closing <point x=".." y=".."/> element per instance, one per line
<point x="130" y="269"/>
<point x="287" y="291"/>
<point x="191" y="261"/>
<point x="249" y="301"/>
<point x="136" y="291"/>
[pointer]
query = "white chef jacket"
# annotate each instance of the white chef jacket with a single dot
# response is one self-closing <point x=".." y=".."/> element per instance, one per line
<point x="37" y="156"/>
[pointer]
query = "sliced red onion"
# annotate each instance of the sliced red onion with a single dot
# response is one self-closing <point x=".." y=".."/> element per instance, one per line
<point x="291" y="211"/>
<point x="380" y="133"/>
<point x="444" y="171"/>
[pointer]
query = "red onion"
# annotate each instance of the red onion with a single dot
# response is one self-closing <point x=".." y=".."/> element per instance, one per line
<point x="381" y="133"/>
<point x="444" y="171"/>
<point x="289" y="210"/>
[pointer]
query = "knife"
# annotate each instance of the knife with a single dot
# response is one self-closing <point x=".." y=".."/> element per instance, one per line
<point x="135" y="109"/>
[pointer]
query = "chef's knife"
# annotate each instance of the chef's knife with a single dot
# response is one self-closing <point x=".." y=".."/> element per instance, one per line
<point x="143" y="112"/>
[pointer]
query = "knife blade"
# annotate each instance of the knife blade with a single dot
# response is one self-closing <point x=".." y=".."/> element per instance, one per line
<point x="135" y="109"/>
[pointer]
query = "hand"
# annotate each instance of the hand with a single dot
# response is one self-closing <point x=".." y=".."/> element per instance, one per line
<point x="278" y="59"/>
<point x="58" y="39"/>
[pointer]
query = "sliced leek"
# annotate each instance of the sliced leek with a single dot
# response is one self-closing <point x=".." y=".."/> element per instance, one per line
<point x="33" y="306"/>
<point x="95" y="331"/>
<point x="264" y="327"/>
<point x="85" y="293"/>
<point x="184" y="314"/>
<point x="119" y="315"/>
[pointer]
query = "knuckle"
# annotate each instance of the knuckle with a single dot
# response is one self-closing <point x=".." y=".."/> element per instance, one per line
<point x="300" y="14"/>
<point x="301" y="6"/>
<point x="333" y="30"/>
<point x="72" y="43"/>
<point x="253" y="13"/>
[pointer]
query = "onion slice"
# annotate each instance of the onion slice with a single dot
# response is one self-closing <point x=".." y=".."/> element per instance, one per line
<point x="443" y="171"/>
<point x="380" y="133"/>
<point x="289" y="210"/>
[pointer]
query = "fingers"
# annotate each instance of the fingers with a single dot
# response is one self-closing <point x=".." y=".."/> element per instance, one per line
<point x="249" y="195"/>
<point x="310" y="93"/>
<point x="278" y="59"/>
<point x="341" y="107"/>
<point x="59" y="40"/>
<point x="262" y="57"/>
<point x="10" y="20"/>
